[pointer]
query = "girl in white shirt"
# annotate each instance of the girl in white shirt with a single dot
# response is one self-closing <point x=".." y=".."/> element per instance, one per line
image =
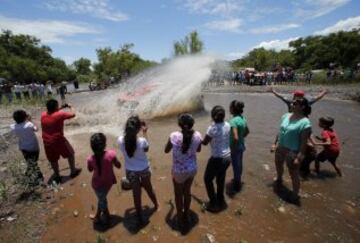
<point x="134" y="148"/>
<point x="218" y="135"/>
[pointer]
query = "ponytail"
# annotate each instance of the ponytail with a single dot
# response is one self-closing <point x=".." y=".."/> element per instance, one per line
<point x="98" y="144"/>
<point x="186" y="122"/>
<point x="132" y="127"/>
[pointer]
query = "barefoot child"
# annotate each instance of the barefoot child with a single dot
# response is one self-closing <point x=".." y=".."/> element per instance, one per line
<point x="134" y="148"/>
<point x="101" y="164"/>
<point x="25" y="130"/>
<point x="185" y="144"/>
<point x="239" y="130"/>
<point x="331" y="145"/>
<point x="218" y="135"/>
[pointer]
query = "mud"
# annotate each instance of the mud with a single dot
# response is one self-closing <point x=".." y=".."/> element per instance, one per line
<point x="329" y="210"/>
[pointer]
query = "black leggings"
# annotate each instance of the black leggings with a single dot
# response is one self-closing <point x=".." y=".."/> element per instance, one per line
<point x="216" y="168"/>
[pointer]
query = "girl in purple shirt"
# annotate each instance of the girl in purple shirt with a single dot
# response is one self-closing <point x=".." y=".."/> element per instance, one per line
<point x="184" y="144"/>
<point x="101" y="164"/>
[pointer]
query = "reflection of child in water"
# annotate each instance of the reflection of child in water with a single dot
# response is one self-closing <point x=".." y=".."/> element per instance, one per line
<point x="331" y="145"/>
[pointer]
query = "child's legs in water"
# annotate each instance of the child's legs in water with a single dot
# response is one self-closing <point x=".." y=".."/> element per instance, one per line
<point x="101" y="195"/>
<point x="210" y="173"/>
<point x="220" y="180"/>
<point x="146" y="183"/>
<point x="237" y="164"/>
<point x="280" y="154"/>
<point x="187" y="195"/>
<point x="333" y="162"/>
<point x="294" y="171"/>
<point x="179" y="198"/>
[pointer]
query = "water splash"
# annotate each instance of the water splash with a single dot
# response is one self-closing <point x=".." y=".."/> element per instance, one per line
<point x="167" y="89"/>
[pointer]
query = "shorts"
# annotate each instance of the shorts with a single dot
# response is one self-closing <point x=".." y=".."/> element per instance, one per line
<point x="326" y="155"/>
<point x="61" y="148"/>
<point x="137" y="176"/>
<point x="182" y="177"/>
<point x="283" y="154"/>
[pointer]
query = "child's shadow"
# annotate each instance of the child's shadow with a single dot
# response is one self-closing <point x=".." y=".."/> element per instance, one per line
<point x="131" y="220"/>
<point x="285" y="194"/>
<point x="64" y="179"/>
<point x="114" y="220"/>
<point x="172" y="220"/>
<point x="323" y="175"/>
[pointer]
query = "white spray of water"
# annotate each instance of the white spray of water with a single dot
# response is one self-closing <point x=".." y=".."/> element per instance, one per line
<point x="171" y="88"/>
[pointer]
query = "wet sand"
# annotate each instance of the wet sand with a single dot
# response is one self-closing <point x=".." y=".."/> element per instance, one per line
<point x="329" y="210"/>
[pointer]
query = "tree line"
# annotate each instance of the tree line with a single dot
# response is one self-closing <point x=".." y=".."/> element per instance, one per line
<point x="313" y="52"/>
<point x="24" y="59"/>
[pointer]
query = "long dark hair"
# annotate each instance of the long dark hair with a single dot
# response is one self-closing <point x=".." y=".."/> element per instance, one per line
<point x="236" y="107"/>
<point x="218" y="114"/>
<point x="132" y="127"/>
<point x="186" y="122"/>
<point x="98" y="145"/>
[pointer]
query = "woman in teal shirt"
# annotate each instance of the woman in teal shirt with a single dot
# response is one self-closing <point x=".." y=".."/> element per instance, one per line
<point x="295" y="129"/>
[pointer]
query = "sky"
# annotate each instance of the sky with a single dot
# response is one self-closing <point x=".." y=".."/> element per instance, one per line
<point x="228" y="28"/>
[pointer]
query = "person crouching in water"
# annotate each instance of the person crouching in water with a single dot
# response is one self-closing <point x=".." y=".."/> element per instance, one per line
<point x="331" y="145"/>
<point x="218" y="135"/>
<point x="184" y="144"/>
<point x="295" y="130"/>
<point x="101" y="164"/>
<point x="137" y="165"/>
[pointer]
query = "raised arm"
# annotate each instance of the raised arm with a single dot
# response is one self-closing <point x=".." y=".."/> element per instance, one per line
<point x="319" y="96"/>
<point x="280" y="96"/>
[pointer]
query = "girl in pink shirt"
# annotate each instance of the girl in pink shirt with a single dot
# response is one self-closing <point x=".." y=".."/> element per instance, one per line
<point x="101" y="164"/>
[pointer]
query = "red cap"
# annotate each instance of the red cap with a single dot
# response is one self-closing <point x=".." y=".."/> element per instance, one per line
<point x="299" y="93"/>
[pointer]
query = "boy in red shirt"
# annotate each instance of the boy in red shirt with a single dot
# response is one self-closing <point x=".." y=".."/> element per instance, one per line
<point x="55" y="144"/>
<point x="331" y="145"/>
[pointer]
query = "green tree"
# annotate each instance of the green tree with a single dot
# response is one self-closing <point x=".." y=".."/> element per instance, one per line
<point x="82" y="66"/>
<point x="191" y="44"/>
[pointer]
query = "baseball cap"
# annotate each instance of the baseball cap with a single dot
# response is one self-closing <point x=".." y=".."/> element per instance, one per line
<point x="299" y="92"/>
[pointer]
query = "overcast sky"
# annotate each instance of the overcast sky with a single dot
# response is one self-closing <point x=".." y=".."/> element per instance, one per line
<point x="230" y="28"/>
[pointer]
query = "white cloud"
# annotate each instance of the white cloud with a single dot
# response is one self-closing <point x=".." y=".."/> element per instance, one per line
<point x="48" y="31"/>
<point x="215" y="7"/>
<point x="276" y="45"/>
<point x="342" y="25"/>
<point x="228" y="25"/>
<point x="274" y="28"/>
<point x="96" y="8"/>
<point x="310" y="9"/>
<point x="235" y="55"/>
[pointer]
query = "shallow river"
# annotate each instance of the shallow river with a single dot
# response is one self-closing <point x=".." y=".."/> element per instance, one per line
<point x="329" y="210"/>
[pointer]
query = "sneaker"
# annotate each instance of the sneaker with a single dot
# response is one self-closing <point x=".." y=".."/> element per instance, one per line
<point x="222" y="204"/>
<point x="75" y="173"/>
<point x="211" y="207"/>
<point x="57" y="179"/>
<point x="278" y="181"/>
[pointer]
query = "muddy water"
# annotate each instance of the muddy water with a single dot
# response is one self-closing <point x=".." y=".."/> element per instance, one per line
<point x="329" y="210"/>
